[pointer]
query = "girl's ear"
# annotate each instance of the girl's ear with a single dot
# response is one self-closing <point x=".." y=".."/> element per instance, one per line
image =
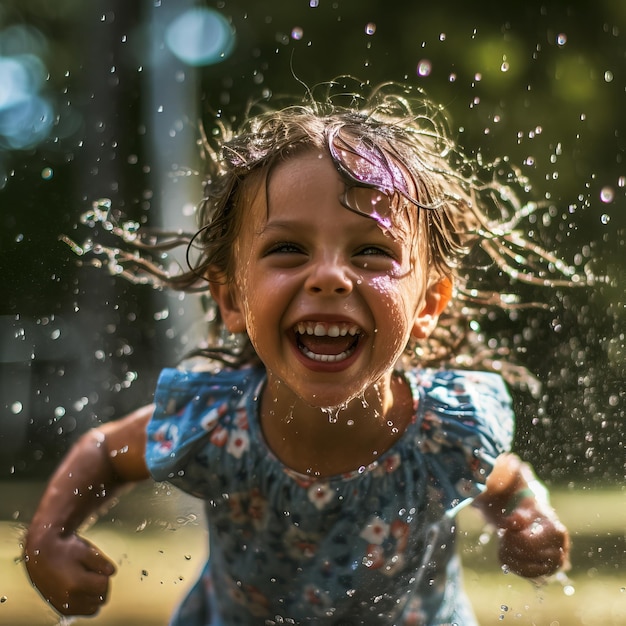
<point x="225" y="293"/>
<point x="437" y="297"/>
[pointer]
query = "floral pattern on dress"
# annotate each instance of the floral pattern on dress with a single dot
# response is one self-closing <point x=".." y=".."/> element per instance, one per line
<point x="376" y="541"/>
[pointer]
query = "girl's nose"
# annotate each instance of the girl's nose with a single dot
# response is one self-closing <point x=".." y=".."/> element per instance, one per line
<point x="329" y="277"/>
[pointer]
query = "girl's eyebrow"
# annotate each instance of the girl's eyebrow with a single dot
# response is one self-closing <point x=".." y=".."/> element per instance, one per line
<point x="365" y="227"/>
<point x="279" y="225"/>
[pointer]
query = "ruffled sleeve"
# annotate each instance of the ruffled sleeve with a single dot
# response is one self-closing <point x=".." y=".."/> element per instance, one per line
<point x="466" y="422"/>
<point x="195" y="412"/>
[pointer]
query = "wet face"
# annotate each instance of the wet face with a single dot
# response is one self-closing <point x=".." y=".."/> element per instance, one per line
<point x="328" y="297"/>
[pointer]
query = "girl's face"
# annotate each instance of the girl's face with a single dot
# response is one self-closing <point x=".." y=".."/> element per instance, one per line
<point x="328" y="298"/>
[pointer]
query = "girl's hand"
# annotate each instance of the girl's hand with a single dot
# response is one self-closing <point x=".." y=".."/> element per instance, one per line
<point x="533" y="542"/>
<point x="69" y="572"/>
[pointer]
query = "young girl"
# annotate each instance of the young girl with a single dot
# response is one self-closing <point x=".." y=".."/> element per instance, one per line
<point x="331" y="460"/>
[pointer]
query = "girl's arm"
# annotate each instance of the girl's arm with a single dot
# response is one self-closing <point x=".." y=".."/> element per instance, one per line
<point x="533" y="542"/>
<point x="69" y="572"/>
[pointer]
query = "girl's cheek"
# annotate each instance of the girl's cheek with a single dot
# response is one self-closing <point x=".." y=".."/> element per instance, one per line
<point x="383" y="284"/>
<point x="392" y="285"/>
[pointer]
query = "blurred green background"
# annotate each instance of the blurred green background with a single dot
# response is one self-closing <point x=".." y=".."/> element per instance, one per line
<point x="104" y="98"/>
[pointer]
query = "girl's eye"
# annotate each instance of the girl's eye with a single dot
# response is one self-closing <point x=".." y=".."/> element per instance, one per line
<point x="284" y="247"/>
<point x="375" y="258"/>
<point x="374" y="251"/>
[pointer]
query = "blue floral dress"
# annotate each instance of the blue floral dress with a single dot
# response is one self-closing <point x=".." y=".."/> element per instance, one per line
<point x="375" y="546"/>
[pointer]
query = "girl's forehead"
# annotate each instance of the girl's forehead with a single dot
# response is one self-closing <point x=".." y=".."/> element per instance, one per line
<point x="314" y="171"/>
<point x="371" y="203"/>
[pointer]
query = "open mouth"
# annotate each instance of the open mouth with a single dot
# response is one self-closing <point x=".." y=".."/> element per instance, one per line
<point x="327" y="342"/>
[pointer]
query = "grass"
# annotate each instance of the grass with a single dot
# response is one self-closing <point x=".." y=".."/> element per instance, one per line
<point x="155" y="539"/>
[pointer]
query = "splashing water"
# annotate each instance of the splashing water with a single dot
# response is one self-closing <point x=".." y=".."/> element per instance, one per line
<point x="332" y="412"/>
<point x="117" y="260"/>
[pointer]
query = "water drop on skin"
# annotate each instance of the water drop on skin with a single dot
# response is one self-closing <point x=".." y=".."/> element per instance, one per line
<point x="289" y="417"/>
<point x="333" y="412"/>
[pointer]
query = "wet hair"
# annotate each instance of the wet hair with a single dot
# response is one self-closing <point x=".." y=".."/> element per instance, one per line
<point x="388" y="139"/>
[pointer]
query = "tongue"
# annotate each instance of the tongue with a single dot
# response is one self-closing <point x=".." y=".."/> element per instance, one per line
<point x="326" y="345"/>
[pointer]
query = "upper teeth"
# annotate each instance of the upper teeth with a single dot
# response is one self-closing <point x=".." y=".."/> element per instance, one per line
<point x="327" y="330"/>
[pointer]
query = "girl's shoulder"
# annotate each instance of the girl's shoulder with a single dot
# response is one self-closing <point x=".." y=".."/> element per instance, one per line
<point x="455" y="400"/>
<point x="455" y="387"/>
<point x="192" y="397"/>
<point x="193" y="406"/>
<point x="209" y="375"/>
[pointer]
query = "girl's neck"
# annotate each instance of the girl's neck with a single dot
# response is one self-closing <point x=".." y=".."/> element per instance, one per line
<point x="323" y="442"/>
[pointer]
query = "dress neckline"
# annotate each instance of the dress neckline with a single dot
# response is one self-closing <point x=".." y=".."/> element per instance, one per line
<point x="254" y="420"/>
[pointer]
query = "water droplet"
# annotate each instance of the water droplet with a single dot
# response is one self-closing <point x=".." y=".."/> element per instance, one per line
<point x="370" y="28"/>
<point x="47" y="173"/>
<point x="16" y="407"/>
<point x="314" y="3"/>
<point x="608" y="76"/>
<point x="561" y="39"/>
<point x="605" y="219"/>
<point x="424" y="67"/>
<point x="80" y="404"/>
<point x="297" y="33"/>
<point x="607" y="194"/>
